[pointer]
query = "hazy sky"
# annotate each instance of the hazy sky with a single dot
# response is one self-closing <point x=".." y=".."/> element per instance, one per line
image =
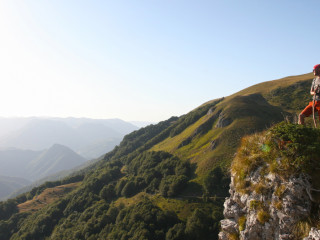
<point x="146" y="59"/>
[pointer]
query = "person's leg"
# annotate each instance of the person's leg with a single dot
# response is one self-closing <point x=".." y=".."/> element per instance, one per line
<point x="301" y="119"/>
<point x="317" y="108"/>
<point x="305" y="113"/>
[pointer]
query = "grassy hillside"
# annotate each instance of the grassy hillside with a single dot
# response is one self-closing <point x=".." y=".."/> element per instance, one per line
<point x="214" y="138"/>
<point x="164" y="181"/>
<point x="49" y="195"/>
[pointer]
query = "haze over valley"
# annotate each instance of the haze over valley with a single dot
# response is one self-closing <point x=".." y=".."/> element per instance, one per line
<point x="89" y="137"/>
<point x="35" y="148"/>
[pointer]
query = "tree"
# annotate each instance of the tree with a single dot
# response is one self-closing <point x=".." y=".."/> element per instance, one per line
<point x="107" y="192"/>
<point x="176" y="232"/>
<point x="199" y="226"/>
<point x="216" y="182"/>
<point x="129" y="189"/>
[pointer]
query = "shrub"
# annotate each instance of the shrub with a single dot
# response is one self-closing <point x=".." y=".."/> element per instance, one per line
<point x="107" y="192"/>
<point x="216" y="182"/>
<point x="242" y="223"/>
<point x="249" y="157"/>
<point x="198" y="225"/>
<point x="129" y="189"/>
<point x="255" y="204"/>
<point x="261" y="188"/>
<point x="263" y="216"/>
<point x="176" y="232"/>
<point x="286" y="149"/>
<point x="280" y="190"/>
<point x="7" y="209"/>
<point x="172" y="185"/>
<point x="278" y="205"/>
<point x="301" y="229"/>
<point x="298" y="146"/>
<point x="233" y="236"/>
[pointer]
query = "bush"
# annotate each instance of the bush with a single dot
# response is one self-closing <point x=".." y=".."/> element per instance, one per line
<point x="176" y="232"/>
<point x="217" y="182"/>
<point x="263" y="216"/>
<point x="242" y="223"/>
<point x="255" y="204"/>
<point x="7" y="209"/>
<point x="129" y="189"/>
<point x="286" y="149"/>
<point x="298" y="145"/>
<point x="199" y="225"/>
<point x="172" y="185"/>
<point x="107" y="192"/>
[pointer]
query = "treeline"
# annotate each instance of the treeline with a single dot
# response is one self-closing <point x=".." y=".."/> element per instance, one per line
<point x="141" y="221"/>
<point x="90" y="211"/>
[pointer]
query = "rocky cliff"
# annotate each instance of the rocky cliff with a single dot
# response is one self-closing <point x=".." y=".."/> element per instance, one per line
<point x="273" y="186"/>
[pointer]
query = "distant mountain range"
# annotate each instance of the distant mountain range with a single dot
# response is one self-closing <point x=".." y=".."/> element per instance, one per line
<point x="35" y="148"/>
<point x="25" y="166"/>
<point x="33" y="165"/>
<point x="57" y="176"/>
<point x="10" y="184"/>
<point x="141" y="124"/>
<point x="89" y="137"/>
<point x="55" y="159"/>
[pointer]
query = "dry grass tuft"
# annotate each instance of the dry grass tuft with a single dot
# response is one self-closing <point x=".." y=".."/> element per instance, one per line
<point x="263" y="216"/>
<point x="249" y="157"/>
<point x="301" y="229"/>
<point x="242" y="223"/>
<point x="233" y="236"/>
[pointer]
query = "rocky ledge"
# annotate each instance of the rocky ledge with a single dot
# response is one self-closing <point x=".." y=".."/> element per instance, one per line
<point x="270" y="215"/>
<point x="274" y="178"/>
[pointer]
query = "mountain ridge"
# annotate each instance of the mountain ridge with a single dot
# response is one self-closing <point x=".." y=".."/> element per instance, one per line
<point x="55" y="159"/>
<point x="76" y="133"/>
<point x="182" y="157"/>
<point x="34" y="165"/>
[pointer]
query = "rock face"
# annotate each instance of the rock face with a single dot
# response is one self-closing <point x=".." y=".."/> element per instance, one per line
<point x="223" y="121"/>
<point x="270" y="212"/>
<point x="314" y="234"/>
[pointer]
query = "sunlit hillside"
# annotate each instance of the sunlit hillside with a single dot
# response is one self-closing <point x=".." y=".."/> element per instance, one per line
<point x="164" y="181"/>
<point x="213" y="139"/>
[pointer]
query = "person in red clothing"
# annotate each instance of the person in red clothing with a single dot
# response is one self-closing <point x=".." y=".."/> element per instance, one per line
<point x="315" y="91"/>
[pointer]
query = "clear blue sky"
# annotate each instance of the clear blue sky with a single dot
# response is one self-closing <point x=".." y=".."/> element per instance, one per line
<point x="146" y="60"/>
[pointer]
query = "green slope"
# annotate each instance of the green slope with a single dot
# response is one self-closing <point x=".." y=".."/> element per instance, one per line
<point x="214" y="138"/>
<point x="163" y="181"/>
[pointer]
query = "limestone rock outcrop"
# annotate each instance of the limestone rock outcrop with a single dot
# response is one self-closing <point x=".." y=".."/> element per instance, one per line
<point x="274" y="186"/>
<point x="271" y="214"/>
<point x="314" y="234"/>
